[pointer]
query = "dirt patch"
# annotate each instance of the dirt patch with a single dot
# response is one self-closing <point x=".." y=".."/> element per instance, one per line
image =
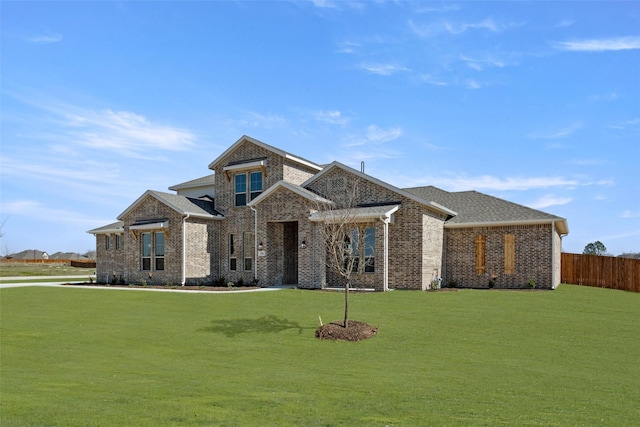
<point x="181" y="288"/>
<point x="355" y="331"/>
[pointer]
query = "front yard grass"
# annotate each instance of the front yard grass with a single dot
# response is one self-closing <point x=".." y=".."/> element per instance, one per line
<point x="103" y="357"/>
<point x="8" y="269"/>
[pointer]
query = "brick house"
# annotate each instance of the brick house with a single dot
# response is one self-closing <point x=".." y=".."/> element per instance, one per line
<point x="260" y="217"/>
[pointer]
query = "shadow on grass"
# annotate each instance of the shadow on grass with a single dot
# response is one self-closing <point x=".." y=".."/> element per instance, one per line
<point x="264" y="325"/>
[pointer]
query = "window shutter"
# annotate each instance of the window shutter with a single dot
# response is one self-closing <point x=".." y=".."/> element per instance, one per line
<point x="480" y="253"/>
<point x="509" y="253"/>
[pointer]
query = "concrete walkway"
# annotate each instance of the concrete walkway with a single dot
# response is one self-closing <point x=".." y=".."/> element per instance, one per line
<point x="70" y="279"/>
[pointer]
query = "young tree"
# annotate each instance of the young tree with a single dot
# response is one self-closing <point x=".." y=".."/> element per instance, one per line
<point x="345" y="241"/>
<point x="595" y="248"/>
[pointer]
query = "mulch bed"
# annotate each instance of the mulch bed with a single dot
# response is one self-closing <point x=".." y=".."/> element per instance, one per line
<point x="177" y="287"/>
<point x="355" y="331"/>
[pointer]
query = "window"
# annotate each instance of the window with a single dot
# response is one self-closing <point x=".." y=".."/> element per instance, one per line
<point x="241" y="189"/>
<point x="358" y="251"/>
<point x="145" y="241"/>
<point x="152" y="243"/>
<point x="509" y="253"/>
<point x="247" y="250"/>
<point x="480" y="253"/>
<point x="159" y="252"/>
<point x="118" y="242"/>
<point x="240" y="183"/>
<point x="369" y="249"/>
<point x="256" y="184"/>
<point x="107" y="242"/>
<point x="232" y="254"/>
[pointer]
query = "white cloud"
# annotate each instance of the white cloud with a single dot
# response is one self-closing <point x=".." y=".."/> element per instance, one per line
<point x="428" y="78"/>
<point x="324" y="4"/>
<point x="600" y="45"/>
<point x="549" y="200"/>
<point x="472" y="84"/>
<point x="126" y="132"/>
<point x="332" y="117"/>
<point x="45" y="38"/>
<point x="586" y="162"/>
<point x="626" y="124"/>
<point x="36" y="210"/>
<point x="555" y="134"/>
<point x="565" y="23"/>
<point x="375" y="135"/>
<point x="487" y="182"/>
<point x="260" y="120"/>
<point x="458" y="28"/>
<point x="630" y="214"/>
<point x="383" y="69"/>
<point x="455" y="28"/>
<point x="347" y="47"/>
<point x="481" y="64"/>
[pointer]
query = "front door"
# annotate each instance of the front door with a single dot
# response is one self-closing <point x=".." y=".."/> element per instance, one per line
<point x="290" y="246"/>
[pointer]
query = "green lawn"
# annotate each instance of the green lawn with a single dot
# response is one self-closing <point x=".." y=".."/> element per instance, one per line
<point x="72" y="357"/>
<point x="8" y="269"/>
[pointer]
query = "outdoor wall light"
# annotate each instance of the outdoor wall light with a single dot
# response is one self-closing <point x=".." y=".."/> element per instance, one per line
<point x="260" y="246"/>
<point x="303" y="244"/>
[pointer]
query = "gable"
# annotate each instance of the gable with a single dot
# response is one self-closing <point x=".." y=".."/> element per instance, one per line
<point x="377" y="190"/>
<point x="247" y="140"/>
<point x="292" y="188"/>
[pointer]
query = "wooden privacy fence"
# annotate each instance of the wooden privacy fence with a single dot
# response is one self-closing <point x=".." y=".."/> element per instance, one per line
<point x="71" y="262"/>
<point x="601" y="271"/>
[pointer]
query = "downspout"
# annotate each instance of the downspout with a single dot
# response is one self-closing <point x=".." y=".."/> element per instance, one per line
<point x="385" y="280"/>
<point x="184" y="249"/>
<point x="553" y="254"/>
<point x="255" y="243"/>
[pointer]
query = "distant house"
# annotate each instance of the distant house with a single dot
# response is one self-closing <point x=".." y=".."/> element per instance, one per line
<point x="68" y="256"/>
<point x="256" y="218"/>
<point x="29" y="254"/>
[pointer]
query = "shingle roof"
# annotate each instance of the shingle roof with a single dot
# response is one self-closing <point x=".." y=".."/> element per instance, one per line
<point x="187" y="205"/>
<point x="198" y="182"/>
<point x="475" y="207"/>
<point x="109" y="228"/>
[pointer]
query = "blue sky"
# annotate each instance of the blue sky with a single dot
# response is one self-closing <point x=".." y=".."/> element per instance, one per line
<point x="535" y="102"/>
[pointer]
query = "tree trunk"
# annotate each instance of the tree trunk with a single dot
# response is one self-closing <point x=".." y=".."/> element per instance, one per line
<point x="346" y="304"/>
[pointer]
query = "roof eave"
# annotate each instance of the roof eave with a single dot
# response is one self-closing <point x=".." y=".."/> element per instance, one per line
<point x="560" y="223"/>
